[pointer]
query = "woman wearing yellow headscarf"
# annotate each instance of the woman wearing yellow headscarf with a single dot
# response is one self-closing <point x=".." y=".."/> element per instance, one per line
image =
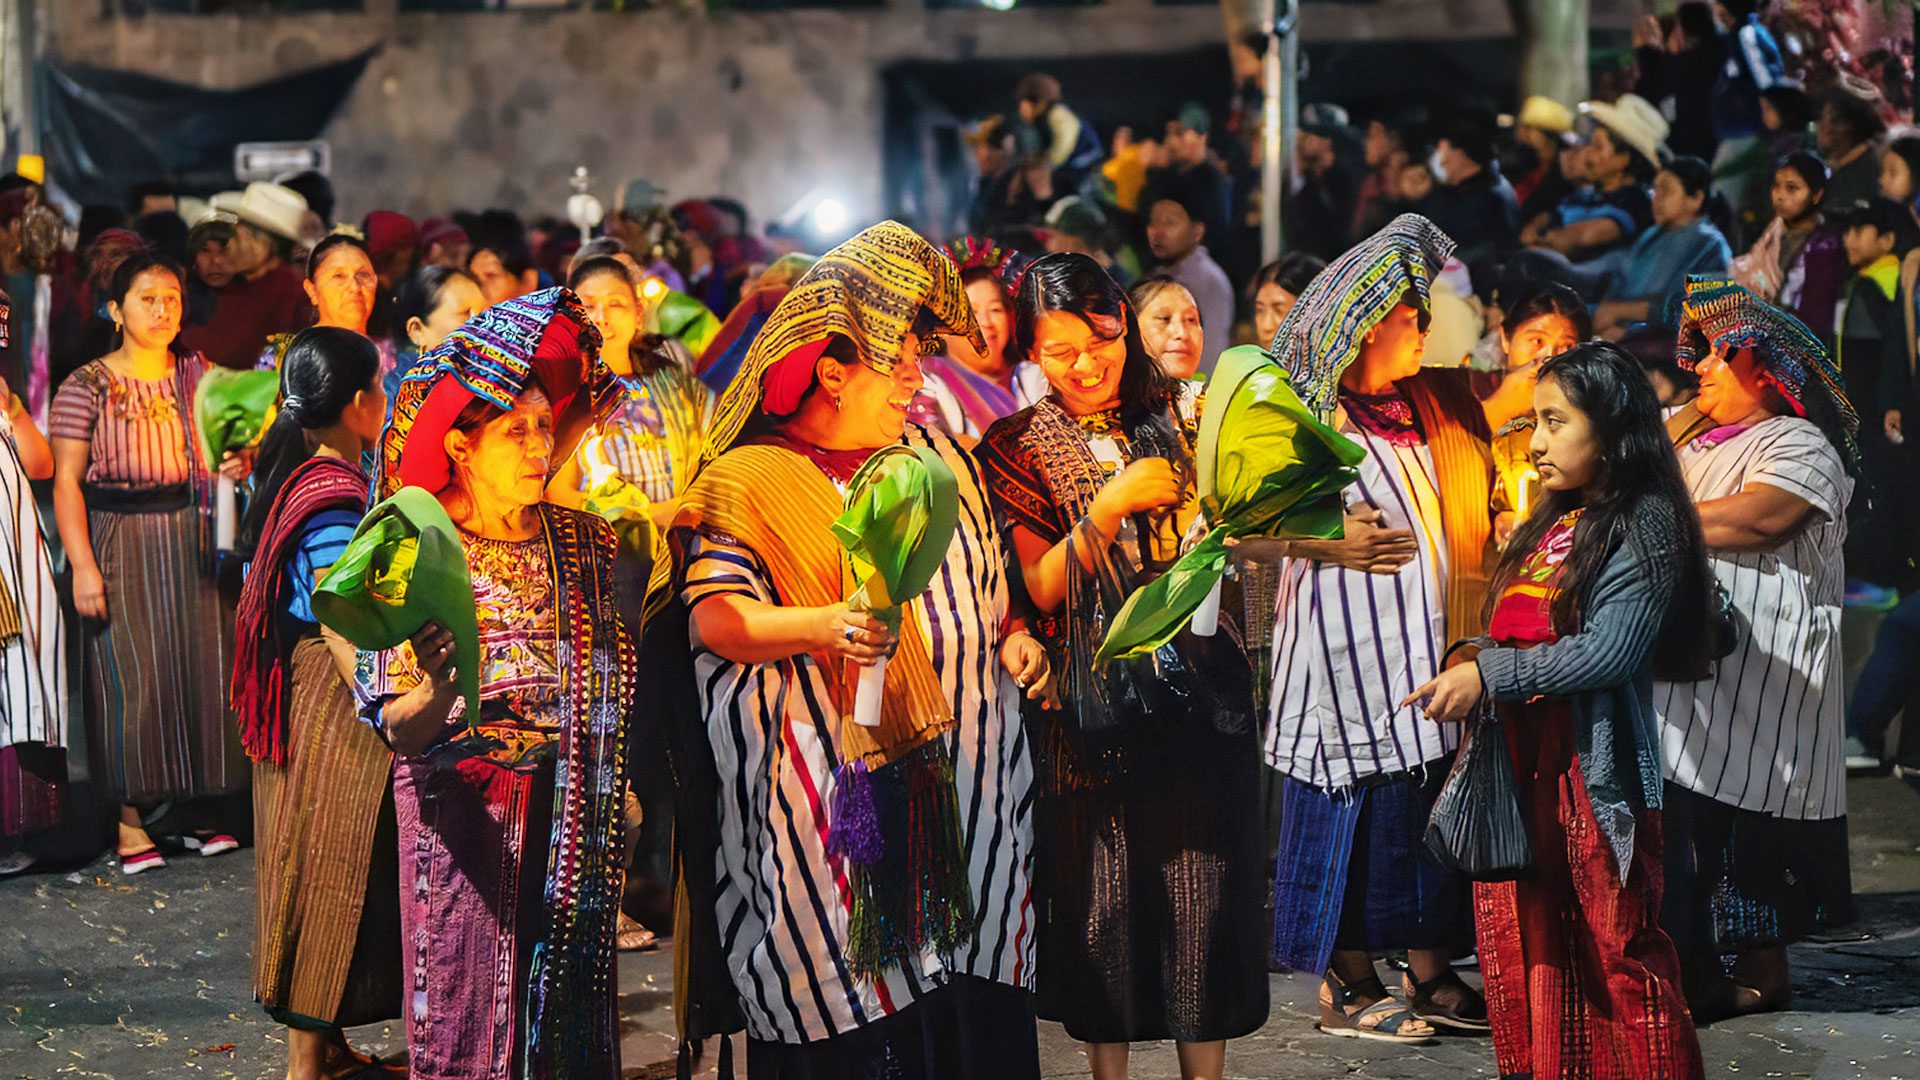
<point x="868" y="896"/>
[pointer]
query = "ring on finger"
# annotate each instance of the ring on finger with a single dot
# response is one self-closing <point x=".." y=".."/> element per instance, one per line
<point x="848" y="634"/>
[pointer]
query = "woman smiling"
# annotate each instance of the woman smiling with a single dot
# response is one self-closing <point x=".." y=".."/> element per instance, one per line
<point x="1149" y="879"/>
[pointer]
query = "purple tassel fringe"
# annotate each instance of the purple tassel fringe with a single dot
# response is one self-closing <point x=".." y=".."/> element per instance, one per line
<point x="853" y="818"/>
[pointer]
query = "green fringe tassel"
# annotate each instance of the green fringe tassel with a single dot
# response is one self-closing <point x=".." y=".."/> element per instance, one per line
<point x="917" y="895"/>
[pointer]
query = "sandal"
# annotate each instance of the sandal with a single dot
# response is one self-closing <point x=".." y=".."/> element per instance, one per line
<point x="1722" y="999"/>
<point x="1468" y="1012"/>
<point x="1386" y="1020"/>
<point x="630" y="936"/>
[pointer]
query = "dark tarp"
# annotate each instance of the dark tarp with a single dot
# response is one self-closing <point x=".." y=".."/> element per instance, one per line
<point x="104" y="131"/>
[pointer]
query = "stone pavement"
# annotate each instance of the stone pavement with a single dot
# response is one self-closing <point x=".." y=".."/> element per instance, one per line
<point x="105" y="977"/>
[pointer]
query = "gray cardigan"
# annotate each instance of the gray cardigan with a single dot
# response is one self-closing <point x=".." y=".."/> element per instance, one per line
<point x="1605" y="670"/>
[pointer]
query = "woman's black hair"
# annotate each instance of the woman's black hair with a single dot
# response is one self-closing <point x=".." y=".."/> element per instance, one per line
<point x="647" y="352"/>
<point x="1695" y="19"/>
<point x="1293" y="272"/>
<point x="330" y="244"/>
<point x="501" y="232"/>
<point x="1906" y="147"/>
<point x="1653" y="346"/>
<point x="1075" y="284"/>
<point x="419" y="295"/>
<point x="1856" y="112"/>
<point x="324" y="368"/>
<point x="1793" y="105"/>
<point x="138" y="263"/>
<point x="1142" y="292"/>
<point x="1637" y="493"/>
<point x="1541" y="297"/>
<point x="1696" y="178"/>
<point x="1811" y="167"/>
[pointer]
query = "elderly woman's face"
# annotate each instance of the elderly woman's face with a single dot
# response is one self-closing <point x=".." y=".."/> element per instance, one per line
<point x="342" y="289"/>
<point x="505" y="462"/>
<point x="1170" y="329"/>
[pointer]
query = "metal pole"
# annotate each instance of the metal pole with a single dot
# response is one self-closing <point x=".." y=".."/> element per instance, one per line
<point x="1279" y="118"/>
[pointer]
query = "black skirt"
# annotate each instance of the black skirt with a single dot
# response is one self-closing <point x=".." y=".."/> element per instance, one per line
<point x="1151" y="889"/>
<point x="969" y="1029"/>
<point x="1739" y="879"/>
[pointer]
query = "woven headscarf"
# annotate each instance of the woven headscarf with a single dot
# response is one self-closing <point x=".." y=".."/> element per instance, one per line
<point x="543" y="336"/>
<point x="1716" y="313"/>
<point x="869" y="290"/>
<point x="1322" y="334"/>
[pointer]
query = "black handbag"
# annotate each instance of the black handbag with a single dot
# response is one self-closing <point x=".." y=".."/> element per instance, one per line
<point x="1478" y="828"/>
<point x="1205" y="679"/>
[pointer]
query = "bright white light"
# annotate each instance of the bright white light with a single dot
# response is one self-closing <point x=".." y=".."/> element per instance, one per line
<point x="998" y="5"/>
<point x="829" y="217"/>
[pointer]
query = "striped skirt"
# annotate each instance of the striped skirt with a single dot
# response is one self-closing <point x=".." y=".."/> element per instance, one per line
<point x="476" y="839"/>
<point x="328" y="906"/>
<point x="1352" y="873"/>
<point x="157" y="722"/>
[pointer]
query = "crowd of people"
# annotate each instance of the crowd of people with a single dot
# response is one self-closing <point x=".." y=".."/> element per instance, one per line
<point x="1604" y="488"/>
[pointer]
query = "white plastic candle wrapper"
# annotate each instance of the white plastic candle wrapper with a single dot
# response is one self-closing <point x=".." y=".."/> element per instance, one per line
<point x="866" y="694"/>
<point x="225" y="519"/>
<point x="1206" y="617"/>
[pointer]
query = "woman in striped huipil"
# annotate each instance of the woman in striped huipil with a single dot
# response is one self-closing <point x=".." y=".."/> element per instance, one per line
<point x="33" y="668"/>
<point x="1363" y="620"/>
<point x="832" y="973"/>
<point x="1756" y="799"/>
<point x="134" y="505"/>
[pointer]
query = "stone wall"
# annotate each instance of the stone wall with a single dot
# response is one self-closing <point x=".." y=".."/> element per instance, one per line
<point x="496" y="109"/>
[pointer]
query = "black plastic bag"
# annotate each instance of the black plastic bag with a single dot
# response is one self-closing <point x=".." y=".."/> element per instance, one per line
<point x="1203" y="679"/>
<point x="1478" y="828"/>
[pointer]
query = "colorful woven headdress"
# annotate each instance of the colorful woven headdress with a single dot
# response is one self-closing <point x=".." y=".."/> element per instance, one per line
<point x="1322" y="334"/>
<point x="1006" y="264"/>
<point x="542" y="337"/>
<point x="1717" y="314"/>
<point x="869" y="290"/>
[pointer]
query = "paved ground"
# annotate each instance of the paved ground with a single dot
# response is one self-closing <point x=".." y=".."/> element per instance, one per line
<point x="101" y="977"/>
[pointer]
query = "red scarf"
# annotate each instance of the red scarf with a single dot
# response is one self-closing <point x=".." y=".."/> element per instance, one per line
<point x="260" y="658"/>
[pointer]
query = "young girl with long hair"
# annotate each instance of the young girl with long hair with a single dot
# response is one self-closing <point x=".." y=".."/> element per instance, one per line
<point x="1607" y="573"/>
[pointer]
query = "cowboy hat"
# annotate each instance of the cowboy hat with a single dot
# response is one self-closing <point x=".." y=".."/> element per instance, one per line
<point x="1636" y="121"/>
<point x="272" y="208"/>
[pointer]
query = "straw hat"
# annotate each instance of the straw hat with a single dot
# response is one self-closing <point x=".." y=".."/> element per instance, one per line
<point x="1546" y="114"/>
<point x="272" y="208"/>
<point x="1636" y="121"/>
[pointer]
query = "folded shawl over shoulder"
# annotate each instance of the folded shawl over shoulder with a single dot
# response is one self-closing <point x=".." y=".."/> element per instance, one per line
<point x="1605" y="670"/>
<point x="260" y="654"/>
